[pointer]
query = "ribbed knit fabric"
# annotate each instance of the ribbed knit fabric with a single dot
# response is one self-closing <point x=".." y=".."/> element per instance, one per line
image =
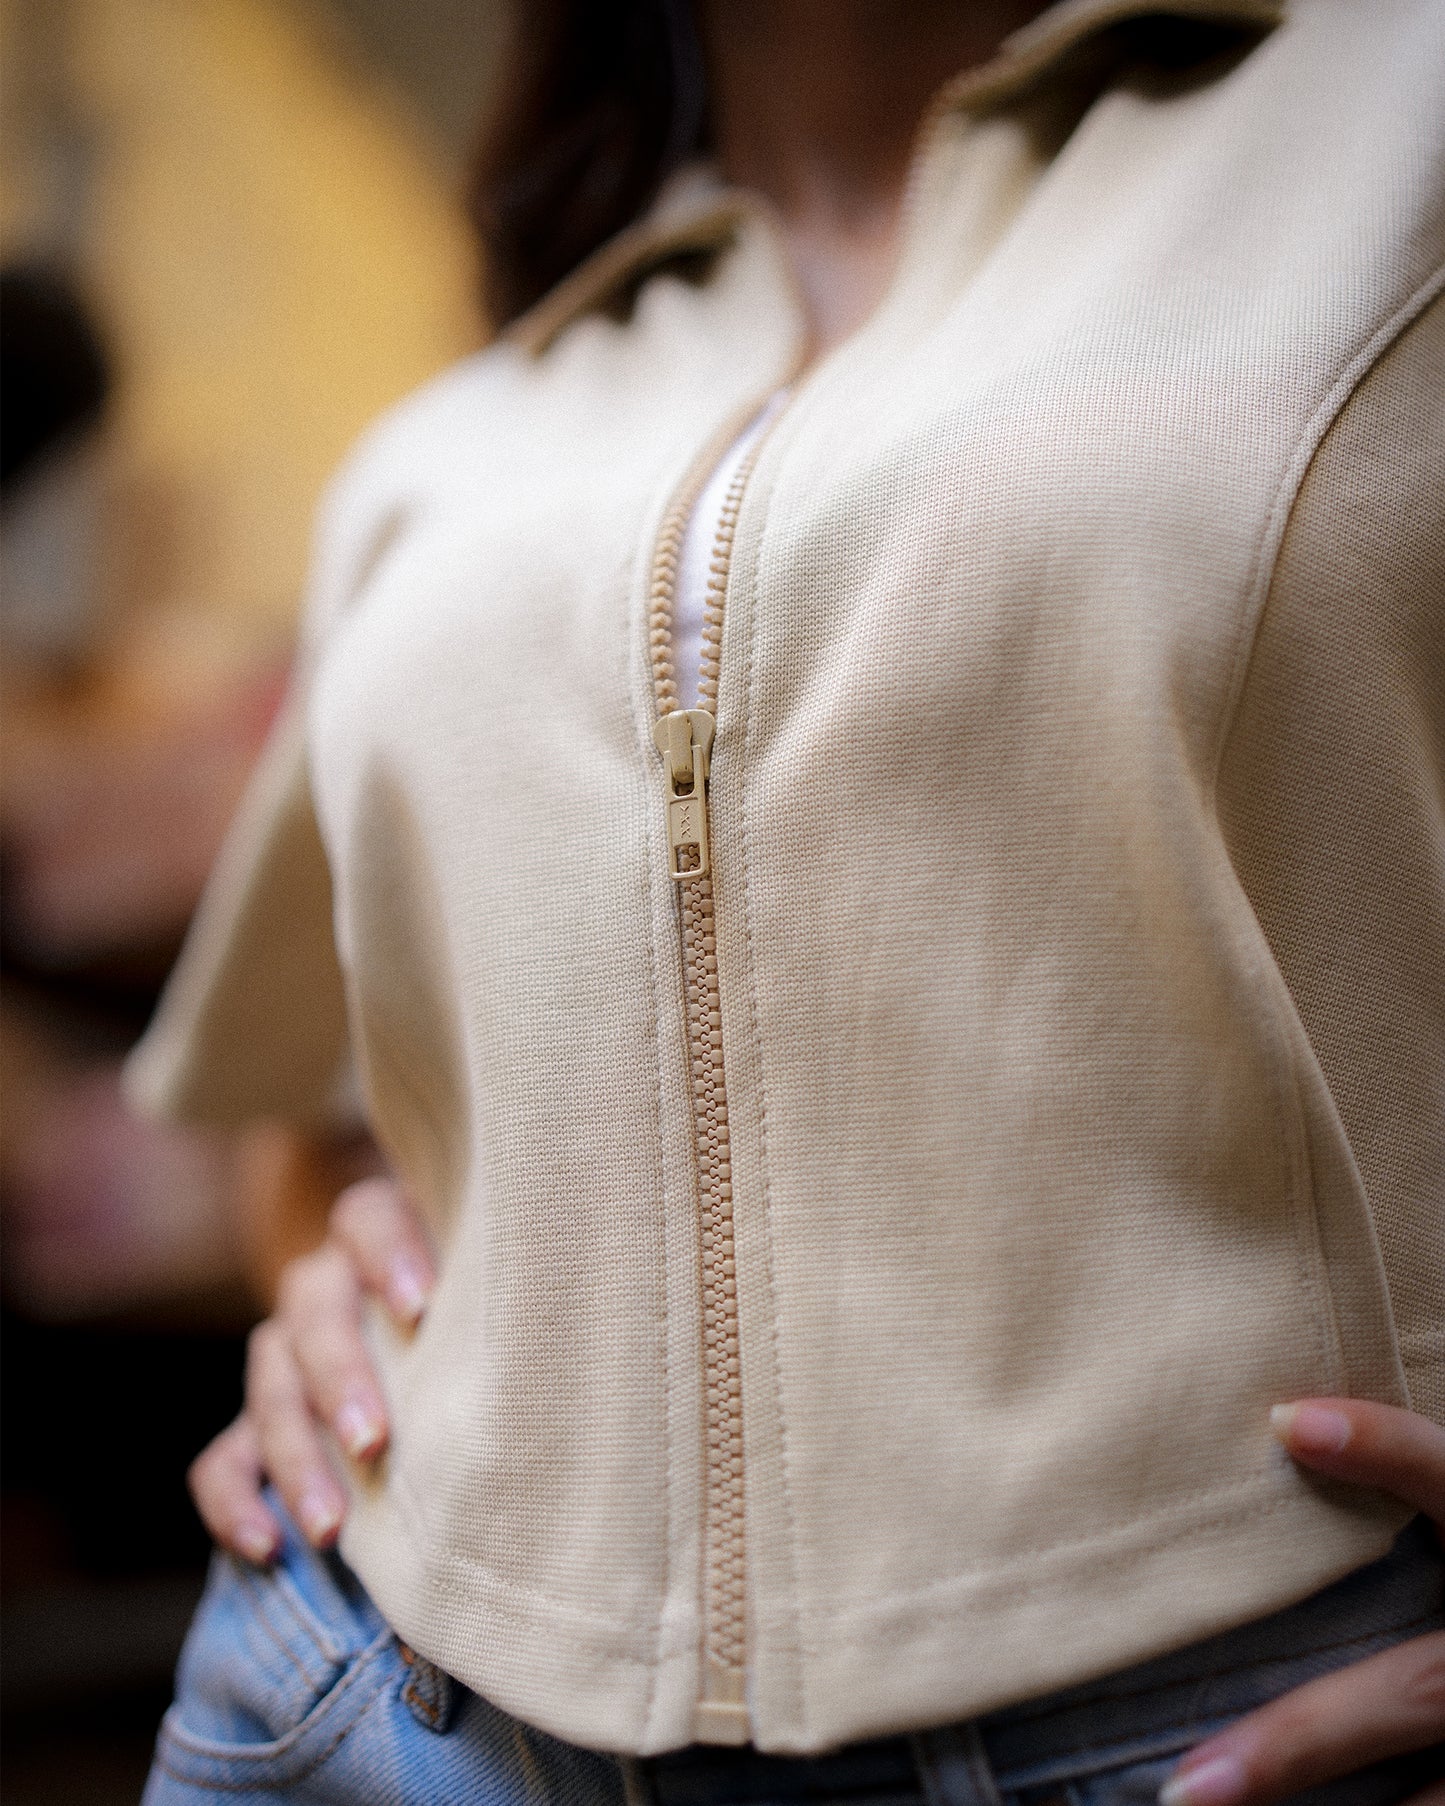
<point x="1077" y="873"/>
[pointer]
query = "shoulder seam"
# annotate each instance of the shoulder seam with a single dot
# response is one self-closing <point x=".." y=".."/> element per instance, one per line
<point x="1287" y="493"/>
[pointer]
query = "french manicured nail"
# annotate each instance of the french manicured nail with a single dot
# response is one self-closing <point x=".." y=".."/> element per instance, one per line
<point x="256" y="1543"/>
<point x="358" y="1429"/>
<point x="320" y="1516"/>
<point x="1221" y="1781"/>
<point x="1315" y="1429"/>
<point x="409" y="1290"/>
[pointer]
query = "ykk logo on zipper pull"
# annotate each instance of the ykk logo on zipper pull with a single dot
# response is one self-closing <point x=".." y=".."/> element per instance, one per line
<point x="684" y="739"/>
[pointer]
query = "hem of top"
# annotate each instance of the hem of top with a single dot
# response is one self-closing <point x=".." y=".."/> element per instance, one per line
<point x="602" y="1683"/>
<point x="996" y="1639"/>
<point x="1000" y="1638"/>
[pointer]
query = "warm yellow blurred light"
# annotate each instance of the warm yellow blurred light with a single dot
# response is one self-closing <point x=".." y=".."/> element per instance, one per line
<point x="276" y="256"/>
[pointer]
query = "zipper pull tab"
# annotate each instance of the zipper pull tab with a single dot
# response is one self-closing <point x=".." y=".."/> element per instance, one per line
<point x="684" y="738"/>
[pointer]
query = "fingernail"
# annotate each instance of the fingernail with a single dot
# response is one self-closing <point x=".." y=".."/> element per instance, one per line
<point x="1220" y="1781"/>
<point x="409" y="1290"/>
<point x="256" y="1543"/>
<point x="358" y="1430"/>
<point x="320" y="1517"/>
<point x="1314" y="1429"/>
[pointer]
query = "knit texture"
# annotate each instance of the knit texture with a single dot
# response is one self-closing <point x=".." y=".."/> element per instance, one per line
<point x="1077" y="879"/>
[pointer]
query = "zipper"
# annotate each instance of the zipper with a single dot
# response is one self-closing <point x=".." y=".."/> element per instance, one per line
<point x="684" y="737"/>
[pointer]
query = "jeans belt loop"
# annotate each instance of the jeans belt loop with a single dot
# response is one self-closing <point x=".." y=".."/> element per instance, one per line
<point x="428" y="1694"/>
<point x="953" y="1767"/>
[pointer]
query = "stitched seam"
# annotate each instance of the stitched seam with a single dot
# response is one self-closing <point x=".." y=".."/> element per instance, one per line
<point x="277" y="1752"/>
<point x="415" y="1697"/>
<point x="1121" y="1557"/>
<point x="1265" y="1008"/>
<point x="1266" y="559"/>
<point x="435" y="1567"/>
<point x="1329" y="1332"/>
<point x="1313" y="1262"/>
<point x="259" y="1635"/>
<point x="653" y="851"/>
<point x="1203" y="1494"/>
<point x="1292" y="1131"/>
<point x="312" y="1626"/>
<point x="995" y="1571"/>
<point x="799" y="1679"/>
<point x="263" y="1620"/>
<point x="260" y="1639"/>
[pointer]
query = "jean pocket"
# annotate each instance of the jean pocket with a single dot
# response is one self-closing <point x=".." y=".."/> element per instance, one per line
<point x="278" y="1666"/>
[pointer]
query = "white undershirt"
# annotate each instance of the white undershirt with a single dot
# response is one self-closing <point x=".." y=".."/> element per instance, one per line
<point x="695" y="559"/>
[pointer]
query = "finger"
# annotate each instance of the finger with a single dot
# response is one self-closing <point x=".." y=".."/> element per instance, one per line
<point x="290" y="1443"/>
<point x="320" y="1305"/>
<point x="1432" y="1796"/>
<point x="383" y="1234"/>
<point x="1373" y="1445"/>
<point x="225" y="1482"/>
<point x="1387" y="1705"/>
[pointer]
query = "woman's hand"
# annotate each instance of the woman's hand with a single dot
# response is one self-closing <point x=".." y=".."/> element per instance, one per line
<point x="307" y="1367"/>
<point x="1387" y="1705"/>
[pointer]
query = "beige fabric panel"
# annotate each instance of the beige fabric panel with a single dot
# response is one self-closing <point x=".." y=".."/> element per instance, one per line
<point x="1028" y="1243"/>
<point x="253" y="1022"/>
<point x="1331" y="795"/>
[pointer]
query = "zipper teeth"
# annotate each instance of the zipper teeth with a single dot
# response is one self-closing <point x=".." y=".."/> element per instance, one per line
<point x="725" y="1640"/>
<point x="660" y="605"/>
<point x="717" y="578"/>
<point x="725" y="1635"/>
<point x="724" y="1551"/>
<point x="662" y="591"/>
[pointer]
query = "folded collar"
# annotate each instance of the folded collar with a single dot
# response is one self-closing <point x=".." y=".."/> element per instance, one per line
<point x="695" y="211"/>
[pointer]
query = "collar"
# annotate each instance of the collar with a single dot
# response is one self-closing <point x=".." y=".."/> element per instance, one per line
<point x="1050" y="44"/>
<point x="696" y="213"/>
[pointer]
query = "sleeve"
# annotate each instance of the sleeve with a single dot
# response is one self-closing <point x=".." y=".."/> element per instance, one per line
<point x="252" y="1022"/>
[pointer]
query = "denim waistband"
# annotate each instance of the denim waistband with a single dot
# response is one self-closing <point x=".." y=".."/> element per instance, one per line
<point x="1153" y="1709"/>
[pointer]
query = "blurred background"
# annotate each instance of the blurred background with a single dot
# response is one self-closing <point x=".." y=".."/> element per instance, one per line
<point x="229" y="235"/>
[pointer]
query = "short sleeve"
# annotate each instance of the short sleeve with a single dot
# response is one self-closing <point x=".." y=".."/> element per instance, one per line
<point x="252" y="1022"/>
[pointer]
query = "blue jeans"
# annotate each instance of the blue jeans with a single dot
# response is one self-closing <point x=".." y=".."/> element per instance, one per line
<point x="292" y="1687"/>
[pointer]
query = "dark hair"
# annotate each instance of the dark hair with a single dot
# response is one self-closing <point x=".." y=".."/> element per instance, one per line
<point x="54" y="374"/>
<point x="597" y="103"/>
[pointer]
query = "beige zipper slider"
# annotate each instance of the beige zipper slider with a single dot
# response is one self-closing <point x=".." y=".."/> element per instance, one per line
<point x="684" y="738"/>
